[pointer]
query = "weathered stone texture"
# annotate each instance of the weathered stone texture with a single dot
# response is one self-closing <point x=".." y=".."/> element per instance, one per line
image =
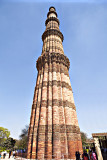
<point x="53" y="131"/>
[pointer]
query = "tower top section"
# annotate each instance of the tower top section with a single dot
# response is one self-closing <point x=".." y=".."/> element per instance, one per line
<point x="52" y="26"/>
<point x="52" y="8"/>
<point x="52" y="12"/>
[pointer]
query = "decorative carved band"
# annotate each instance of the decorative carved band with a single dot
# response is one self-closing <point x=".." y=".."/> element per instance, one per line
<point x="53" y="39"/>
<point x="53" y="48"/>
<point x="52" y="83"/>
<point x="56" y="128"/>
<point x="52" y="57"/>
<point x="54" y="102"/>
<point x="52" y="32"/>
<point x="56" y="137"/>
<point x="51" y="19"/>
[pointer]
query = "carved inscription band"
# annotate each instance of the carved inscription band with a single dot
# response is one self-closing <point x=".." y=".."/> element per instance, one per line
<point x="52" y="83"/>
<point x="58" y="128"/>
<point x="54" y="48"/>
<point x="54" y="102"/>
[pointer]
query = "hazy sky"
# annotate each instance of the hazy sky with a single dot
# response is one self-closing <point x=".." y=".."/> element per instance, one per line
<point x="84" y="26"/>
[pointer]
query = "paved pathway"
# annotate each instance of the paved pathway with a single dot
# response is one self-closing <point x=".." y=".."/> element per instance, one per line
<point x="12" y="158"/>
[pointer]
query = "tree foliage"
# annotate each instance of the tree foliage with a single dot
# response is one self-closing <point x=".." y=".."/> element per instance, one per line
<point x="22" y="142"/>
<point x="24" y="132"/>
<point x="9" y="143"/>
<point x="4" y="134"/>
<point x="83" y="138"/>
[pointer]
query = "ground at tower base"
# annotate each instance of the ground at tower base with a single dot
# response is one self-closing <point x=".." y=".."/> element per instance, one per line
<point x="98" y="143"/>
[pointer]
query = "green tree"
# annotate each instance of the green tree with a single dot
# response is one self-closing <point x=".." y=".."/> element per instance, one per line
<point x="9" y="143"/>
<point x="24" y="132"/>
<point x="4" y="134"/>
<point x="83" y="138"/>
<point x="22" y="142"/>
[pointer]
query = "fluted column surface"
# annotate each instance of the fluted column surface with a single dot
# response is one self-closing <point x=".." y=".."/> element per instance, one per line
<point x="53" y="131"/>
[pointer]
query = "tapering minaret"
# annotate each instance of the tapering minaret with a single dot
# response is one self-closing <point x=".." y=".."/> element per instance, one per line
<point x="53" y="131"/>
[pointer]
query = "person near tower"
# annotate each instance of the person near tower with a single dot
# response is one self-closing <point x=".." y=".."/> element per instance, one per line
<point x="85" y="155"/>
<point x="77" y="154"/>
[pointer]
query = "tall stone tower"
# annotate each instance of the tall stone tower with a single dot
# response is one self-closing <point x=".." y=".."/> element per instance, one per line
<point x="53" y="131"/>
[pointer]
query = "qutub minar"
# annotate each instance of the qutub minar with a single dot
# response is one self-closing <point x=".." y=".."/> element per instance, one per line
<point x="54" y="132"/>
